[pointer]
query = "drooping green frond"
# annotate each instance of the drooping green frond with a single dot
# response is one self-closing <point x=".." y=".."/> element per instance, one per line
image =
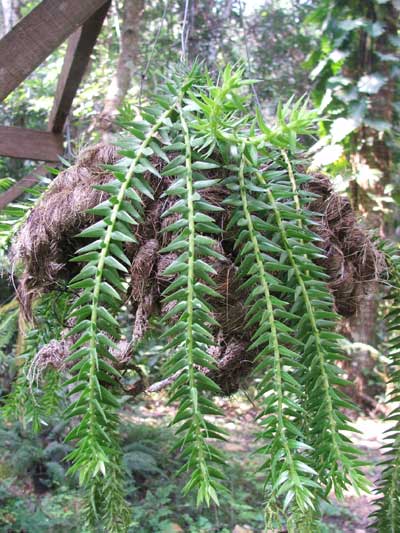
<point x="387" y="514"/>
<point x="289" y="474"/>
<point x="37" y="393"/>
<point x="192" y="315"/>
<point x="337" y="463"/>
<point x="97" y="455"/>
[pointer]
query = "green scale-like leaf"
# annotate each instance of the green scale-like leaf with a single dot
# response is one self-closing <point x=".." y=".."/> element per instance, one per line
<point x="97" y="455"/>
<point x="289" y="475"/>
<point x="335" y="460"/>
<point x="191" y="315"/>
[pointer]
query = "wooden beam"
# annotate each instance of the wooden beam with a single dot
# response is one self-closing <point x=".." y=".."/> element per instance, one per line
<point x="20" y="186"/>
<point x="80" y="46"/>
<point x="37" y="35"/>
<point x="24" y="143"/>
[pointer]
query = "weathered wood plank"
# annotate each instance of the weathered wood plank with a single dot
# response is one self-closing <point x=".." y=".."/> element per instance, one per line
<point x="24" y="143"/>
<point x="37" y="35"/>
<point x="80" y="46"/>
<point x="20" y="186"/>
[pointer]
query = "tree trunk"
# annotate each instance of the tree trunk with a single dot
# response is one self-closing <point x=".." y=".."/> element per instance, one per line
<point x="370" y="145"/>
<point x="11" y="14"/>
<point x="371" y="152"/>
<point x="126" y="66"/>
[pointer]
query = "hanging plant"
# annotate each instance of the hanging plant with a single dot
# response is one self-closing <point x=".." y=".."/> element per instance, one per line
<point x="204" y="216"/>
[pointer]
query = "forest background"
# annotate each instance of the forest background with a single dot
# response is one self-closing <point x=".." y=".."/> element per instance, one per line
<point x="344" y="57"/>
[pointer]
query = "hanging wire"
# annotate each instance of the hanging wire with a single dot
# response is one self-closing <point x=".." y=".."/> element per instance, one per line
<point x="143" y="77"/>
<point x="248" y="57"/>
<point x="185" y="31"/>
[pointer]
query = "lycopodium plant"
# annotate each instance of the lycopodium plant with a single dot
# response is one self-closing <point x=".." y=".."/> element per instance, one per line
<point x="196" y="136"/>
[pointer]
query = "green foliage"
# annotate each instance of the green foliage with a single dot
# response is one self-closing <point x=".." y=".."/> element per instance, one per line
<point x="152" y="488"/>
<point x="387" y="514"/>
<point x="31" y="454"/>
<point x="280" y="26"/>
<point x="214" y="141"/>
<point x="288" y="474"/>
<point x="302" y="408"/>
<point x="353" y="67"/>
<point x="97" y="452"/>
<point x="54" y="513"/>
<point x="37" y="396"/>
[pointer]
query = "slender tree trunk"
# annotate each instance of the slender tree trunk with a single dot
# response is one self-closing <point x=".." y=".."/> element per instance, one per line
<point x="11" y="14"/>
<point x="127" y="64"/>
<point x="371" y="152"/>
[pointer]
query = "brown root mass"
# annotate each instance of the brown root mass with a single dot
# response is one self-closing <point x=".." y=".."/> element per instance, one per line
<point x="352" y="261"/>
<point x="48" y="240"/>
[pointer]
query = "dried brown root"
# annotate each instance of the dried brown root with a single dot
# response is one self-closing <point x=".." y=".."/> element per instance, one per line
<point x="232" y="364"/>
<point x="53" y="354"/>
<point x="143" y="292"/>
<point x="352" y="261"/>
<point x="48" y="238"/>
